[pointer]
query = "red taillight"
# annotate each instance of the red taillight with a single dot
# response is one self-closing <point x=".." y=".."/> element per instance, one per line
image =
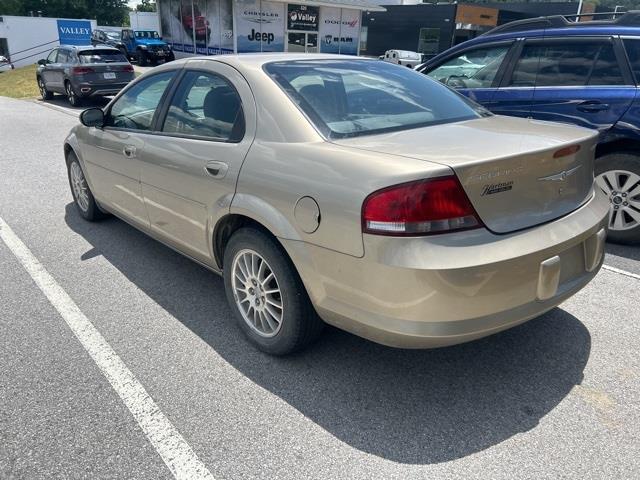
<point x="81" y="70"/>
<point x="563" y="152"/>
<point x="424" y="207"/>
<point x="127" y="68"/>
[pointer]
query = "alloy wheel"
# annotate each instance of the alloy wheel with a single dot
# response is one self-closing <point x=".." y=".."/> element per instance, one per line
<point x="71" y="95"/>
<point x="80" y="188"/>
<point x="257" y="293"/>
<point x="623" y="189"/>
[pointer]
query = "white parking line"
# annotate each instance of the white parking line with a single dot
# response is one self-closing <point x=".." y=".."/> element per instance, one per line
<point x="165" y="438"/>
<point x="621" y="272"/>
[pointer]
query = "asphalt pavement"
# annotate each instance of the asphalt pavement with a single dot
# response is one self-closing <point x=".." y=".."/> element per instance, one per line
<point x="556" y="397"/>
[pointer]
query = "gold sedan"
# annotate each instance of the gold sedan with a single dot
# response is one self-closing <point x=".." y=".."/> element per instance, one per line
<point x="347" y="191"/>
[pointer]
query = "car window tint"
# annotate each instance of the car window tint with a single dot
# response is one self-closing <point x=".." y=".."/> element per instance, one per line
<point x="135" y="108"/>
<point x="472" y="69"/>
<point x="51" y="58"/>
<point x="63" y="56"/>
<point x="632" y="47"/>
<point x="205" y="105"/>
<point x="101" y="56"/>
<point x="566" y="64"/>
<point x="345" y="98"/>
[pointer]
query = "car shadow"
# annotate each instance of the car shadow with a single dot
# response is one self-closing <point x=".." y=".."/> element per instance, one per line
<point x="408" y="406"/>
<point x="61" y="101"/>
<point x="631" y="252"/>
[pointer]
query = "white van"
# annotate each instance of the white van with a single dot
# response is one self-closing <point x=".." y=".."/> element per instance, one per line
<point x="402" y="57"/>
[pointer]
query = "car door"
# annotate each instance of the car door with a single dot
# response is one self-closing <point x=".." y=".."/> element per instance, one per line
<point x="58" y="69"/>
<point x="190" y="168"/>
<point x="583" y="81"/>
<point x="48" y="70"/>
<point x="112" y="153"/>
<point x="474" y="72"/>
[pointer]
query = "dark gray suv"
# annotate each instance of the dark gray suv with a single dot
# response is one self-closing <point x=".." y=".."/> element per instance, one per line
<point x="80" y="72"/>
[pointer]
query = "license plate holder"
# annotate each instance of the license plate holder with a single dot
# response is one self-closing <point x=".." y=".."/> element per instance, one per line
<point x="109" y="75"/>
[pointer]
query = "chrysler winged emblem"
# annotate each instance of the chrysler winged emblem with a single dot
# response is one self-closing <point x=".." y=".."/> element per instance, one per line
<point x="561" y="176"/>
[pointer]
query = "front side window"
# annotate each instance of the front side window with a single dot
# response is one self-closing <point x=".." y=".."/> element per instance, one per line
<point x="52" y="56"/>
<point x="472" y="69"/>
<point x="136" y="107"/>
<point x="556" y="64"/>
<point x="345" y="98"/>
<point x="205" y="105"/>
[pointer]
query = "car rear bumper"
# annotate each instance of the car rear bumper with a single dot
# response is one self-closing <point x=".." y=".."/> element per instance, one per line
<point x="441" y="290"/>
<point x="99" y="90"/>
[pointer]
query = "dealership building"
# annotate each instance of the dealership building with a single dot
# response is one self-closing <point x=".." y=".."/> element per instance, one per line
<point x="211" y="27"/>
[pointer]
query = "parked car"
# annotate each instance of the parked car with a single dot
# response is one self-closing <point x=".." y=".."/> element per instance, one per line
<point x="402" y="57"/>
<point x="195" y="21"/>
<point x="333" y="188"/>
<point x="80" y="72"/>
<point x="113" y="38"/>
<point x="550" y="68"/>
<point x="146" y="46"/>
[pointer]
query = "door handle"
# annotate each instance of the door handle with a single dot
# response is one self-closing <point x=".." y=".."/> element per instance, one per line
<point x="216" y="169"/>
<point x="129" y="151"/>
<point x="592" y="106"/>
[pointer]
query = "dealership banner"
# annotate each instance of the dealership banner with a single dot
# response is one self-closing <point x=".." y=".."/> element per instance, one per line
<point x="259" y="26"/>
<point x="74" y="32"/>
<point x="339" y="30"/>
<point x="302" y="17"/>
<point x="207" y="24"/>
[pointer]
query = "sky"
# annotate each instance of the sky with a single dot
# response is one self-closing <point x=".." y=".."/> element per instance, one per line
<point x="133" y="3"/>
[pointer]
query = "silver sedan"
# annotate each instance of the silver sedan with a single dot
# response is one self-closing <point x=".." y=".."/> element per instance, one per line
<point x="347" y="191"/>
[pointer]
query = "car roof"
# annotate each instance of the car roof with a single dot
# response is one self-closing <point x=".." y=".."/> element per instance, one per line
<point x="89" y="47"/>
<point x="260" y="59"/>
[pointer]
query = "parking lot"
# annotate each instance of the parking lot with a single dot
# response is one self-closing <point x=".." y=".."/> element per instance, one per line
<point x="556" y="397"/>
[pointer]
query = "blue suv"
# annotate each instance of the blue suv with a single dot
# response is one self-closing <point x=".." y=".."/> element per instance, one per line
<point x="549" y="68"/>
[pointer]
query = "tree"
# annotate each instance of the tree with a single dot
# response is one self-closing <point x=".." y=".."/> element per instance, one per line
<point x="105" y="12"/>
<point x="146" y="6"/>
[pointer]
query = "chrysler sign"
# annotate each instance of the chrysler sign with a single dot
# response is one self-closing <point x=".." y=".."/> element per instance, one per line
<point x="74" y="32"/>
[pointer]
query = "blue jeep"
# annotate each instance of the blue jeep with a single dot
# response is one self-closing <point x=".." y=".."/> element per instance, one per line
<point x="145" y="46"/>
<point x="550" y="68"/>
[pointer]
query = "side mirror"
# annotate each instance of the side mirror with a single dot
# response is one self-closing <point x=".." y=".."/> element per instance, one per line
<point x="42" y="61"/>
<point x="92" y="117"/>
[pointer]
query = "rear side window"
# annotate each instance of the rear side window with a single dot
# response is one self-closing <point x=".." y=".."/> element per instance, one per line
<point x="205" y="105"/>
<point x="556" y="64"/>
<point x="63" y="56"/>
<point x="633" y="52"/>
<point x="101" y="56"/>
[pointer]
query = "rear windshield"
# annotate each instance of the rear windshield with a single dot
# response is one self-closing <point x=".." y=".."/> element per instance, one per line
<point x="101" y="56"/>
<point x="346" y="98"/>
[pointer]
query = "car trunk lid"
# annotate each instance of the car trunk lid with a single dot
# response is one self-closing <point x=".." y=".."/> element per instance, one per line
<point x="517" y="173"/>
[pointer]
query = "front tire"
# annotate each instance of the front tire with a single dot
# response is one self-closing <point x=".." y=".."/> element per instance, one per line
<point x="618" y="176"/>
<point x="142" y="58"/>
<point x="266" y="294"/>
<point x="82" y="196"/>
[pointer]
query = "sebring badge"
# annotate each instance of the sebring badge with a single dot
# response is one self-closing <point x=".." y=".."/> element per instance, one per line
<point x="560" y="177"/>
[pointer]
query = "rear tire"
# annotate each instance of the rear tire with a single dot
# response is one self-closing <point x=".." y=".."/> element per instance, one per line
<point x="82" y="197"/>
<point x="44" y="93"/>
<point x="72" y="96"/>
<point x="254" y="291"/>
<point x="618" y="176"/>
